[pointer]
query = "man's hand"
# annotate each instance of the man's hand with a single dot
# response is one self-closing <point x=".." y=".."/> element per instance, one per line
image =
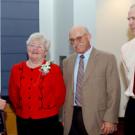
<point x="108" y="128"/>
<point x="2" y="104"/>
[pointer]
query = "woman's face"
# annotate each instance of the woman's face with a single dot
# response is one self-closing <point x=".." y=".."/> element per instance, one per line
<point x="36" y="50"/>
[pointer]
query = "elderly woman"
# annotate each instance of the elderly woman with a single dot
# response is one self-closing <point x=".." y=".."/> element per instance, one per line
<point x="37" y="90"/>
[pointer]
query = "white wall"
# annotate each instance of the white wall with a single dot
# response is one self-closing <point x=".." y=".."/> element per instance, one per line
<point x="85" y="14"/>
<point x="46" y="22"/>
<point x="57" y="17"/>
<point x="63" y="20"/>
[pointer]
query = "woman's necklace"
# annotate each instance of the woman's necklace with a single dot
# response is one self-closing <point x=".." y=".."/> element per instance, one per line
<point x="32" y="64"/>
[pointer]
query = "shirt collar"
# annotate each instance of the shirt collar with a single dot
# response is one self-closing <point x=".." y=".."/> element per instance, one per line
<point x="87" y="53"/>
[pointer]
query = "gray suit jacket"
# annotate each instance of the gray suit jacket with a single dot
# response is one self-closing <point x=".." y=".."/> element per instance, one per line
<point x="100" y="91"/>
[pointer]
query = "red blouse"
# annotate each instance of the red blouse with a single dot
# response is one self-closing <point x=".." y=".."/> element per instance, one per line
<point x="34" y="94"/>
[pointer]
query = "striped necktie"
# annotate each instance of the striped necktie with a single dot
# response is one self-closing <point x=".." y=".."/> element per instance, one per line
<point x="80" y="76"/>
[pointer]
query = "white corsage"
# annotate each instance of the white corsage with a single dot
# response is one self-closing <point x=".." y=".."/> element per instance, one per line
<point x="45" y="68"/>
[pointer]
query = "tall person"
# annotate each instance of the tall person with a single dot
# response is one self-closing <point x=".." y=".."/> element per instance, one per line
<point x="92" y="88"/>
<point x="128" y="60"/>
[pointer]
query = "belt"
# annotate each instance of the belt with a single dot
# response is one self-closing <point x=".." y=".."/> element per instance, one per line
<point x="77" y="108"/>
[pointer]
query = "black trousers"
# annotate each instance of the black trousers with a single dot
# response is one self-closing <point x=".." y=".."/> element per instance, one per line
<point x="1" y="122"/>
<point x="46" y="126"/>
<point x="77" y="127"/>
<point x="130" y="117"/>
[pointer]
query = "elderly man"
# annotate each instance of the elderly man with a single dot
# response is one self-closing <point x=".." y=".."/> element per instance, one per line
<point x="93" y="88"/>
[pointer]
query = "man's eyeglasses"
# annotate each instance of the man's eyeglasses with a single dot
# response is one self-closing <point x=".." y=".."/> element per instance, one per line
<point x="77" y="39"/>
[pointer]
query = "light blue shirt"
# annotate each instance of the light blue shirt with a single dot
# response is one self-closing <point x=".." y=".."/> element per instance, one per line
<point x="86" y="58"/>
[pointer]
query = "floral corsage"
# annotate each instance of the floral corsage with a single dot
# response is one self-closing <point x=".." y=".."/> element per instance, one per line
<point x="45" y="68"/>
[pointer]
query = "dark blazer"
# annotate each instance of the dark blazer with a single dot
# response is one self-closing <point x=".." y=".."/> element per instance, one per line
<point x="100" y="91"/>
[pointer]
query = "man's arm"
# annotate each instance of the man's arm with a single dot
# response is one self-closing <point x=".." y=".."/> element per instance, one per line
<point x="113" y="97"/>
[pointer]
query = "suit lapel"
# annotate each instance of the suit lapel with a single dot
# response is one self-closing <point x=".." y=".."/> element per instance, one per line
<point x="89" y="68"/>
<point x="90" y="65"/>
<point x="71" y="67"/>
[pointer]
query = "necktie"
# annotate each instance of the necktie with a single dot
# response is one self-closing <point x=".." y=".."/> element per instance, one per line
<point x="80" y="76"/>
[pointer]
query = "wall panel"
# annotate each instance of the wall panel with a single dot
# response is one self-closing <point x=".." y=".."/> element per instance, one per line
<point x="19" y="18"/>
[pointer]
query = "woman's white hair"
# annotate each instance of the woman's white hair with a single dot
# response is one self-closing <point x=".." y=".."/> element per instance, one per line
<point x="40" y="37"/>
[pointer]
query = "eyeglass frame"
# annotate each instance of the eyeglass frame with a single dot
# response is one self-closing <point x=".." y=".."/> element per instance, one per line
<point x="78" y="39"/>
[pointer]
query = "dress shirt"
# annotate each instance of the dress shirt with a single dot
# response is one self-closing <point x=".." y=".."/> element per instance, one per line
<point x="128" y="60"/>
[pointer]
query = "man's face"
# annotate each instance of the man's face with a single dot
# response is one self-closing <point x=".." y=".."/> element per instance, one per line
<point x="131" y="20"/>
<point x="80" y="40"/>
